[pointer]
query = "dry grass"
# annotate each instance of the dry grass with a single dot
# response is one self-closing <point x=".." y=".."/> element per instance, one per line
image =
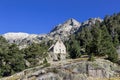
<point x="32" y="78"/>
<point x="14" y="78"/>
<point x="117" y="78"/>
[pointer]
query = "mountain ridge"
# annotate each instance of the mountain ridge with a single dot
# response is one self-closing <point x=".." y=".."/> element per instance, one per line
<point x="63" y="30"/>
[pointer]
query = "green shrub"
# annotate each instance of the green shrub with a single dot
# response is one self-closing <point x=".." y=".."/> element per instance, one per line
<point x="91" y="58"/>
<point x="46" y="65"/>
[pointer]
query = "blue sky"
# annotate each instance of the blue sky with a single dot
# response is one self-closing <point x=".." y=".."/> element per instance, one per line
<point x="40" y="16"/>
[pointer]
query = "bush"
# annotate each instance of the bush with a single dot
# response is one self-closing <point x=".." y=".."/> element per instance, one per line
<point x="45" y="61"/>
<point x="91" y="58"/>
<point x="55" y="70"/>
<point x="46" y="65"/>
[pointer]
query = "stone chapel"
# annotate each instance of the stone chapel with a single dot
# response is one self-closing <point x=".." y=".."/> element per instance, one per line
<point x="57" y="51"/>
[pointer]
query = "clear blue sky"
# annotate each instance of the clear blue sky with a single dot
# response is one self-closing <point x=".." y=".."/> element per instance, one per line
<point x="40" y="16"/>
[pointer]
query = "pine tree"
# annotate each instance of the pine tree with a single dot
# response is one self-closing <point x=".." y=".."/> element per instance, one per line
<point x="107" y="47"/>
<point x="95" y="44"/>
<point x="75" y="50"/>
<point x="85" y="38"/>
<point x="116" y="41"/>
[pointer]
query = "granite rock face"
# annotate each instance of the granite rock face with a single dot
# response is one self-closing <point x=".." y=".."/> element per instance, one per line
<point x="64" y="30"/>
<point x="82" y="70"/>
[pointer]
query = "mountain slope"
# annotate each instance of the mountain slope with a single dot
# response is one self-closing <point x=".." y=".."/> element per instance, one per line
<point x="60" y="31"/>
<point x="65" y="29"/>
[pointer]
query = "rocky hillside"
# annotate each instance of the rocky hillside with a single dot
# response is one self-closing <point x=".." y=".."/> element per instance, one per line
<point x="65" y="29"/>
<point x="23" y="39"/>
<point x="60" y="31"/>
<point x="71" y="70"/>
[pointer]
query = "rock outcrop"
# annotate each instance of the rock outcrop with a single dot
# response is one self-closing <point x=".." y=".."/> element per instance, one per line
<point x="77" y="70"/>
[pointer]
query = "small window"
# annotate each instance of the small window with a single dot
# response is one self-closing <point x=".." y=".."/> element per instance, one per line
<point x="60" y="50"/>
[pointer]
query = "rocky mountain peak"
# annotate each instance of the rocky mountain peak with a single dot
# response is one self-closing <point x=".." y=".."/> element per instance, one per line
<point x="72" y="22"/>
<point x="68" y="27"/>
<point x="92" y="21"/>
